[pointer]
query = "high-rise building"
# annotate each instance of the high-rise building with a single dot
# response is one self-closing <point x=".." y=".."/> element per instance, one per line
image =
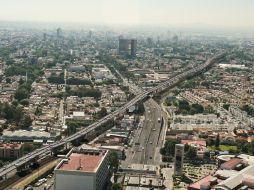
<point x="149" y="42"/>
<point x="133" y="48"/>
<point x="179" y="155"/>
<point x="84" y="168"/>
<point x="59" y="32"/>
<point x="44" y="36"/>
<point x="90" y="34"/>
<point x="124" y="45"/>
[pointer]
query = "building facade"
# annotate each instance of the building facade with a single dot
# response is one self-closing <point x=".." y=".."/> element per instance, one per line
<point x="84" y="168"/>
<point x="179" y="155"/>
<point x="11" y="151"/>
<point x="133" y="48"/>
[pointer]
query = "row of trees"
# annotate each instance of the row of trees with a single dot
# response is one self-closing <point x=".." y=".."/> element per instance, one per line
<point x="56" y="79"/>
<point x="32" y="71"/>
<point x="109" y="60"/>
<point x="185" y="108"/>
<point x="248" y="109"/>
<point x="83" y="92"/>
<point x="77" y="81"/>
<point x="14" y="114"/>
<point x="23" y="91"/>
<point x="168" y="151"/>
<point x="73" y="125"/>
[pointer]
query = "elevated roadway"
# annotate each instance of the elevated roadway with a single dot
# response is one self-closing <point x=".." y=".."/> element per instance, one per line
<point x="81" y="134"/>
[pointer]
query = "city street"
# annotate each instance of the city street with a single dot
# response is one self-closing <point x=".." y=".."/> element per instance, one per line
<point x="148" y="139"/>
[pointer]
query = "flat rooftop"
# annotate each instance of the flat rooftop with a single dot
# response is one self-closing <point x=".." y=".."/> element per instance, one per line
<point x="82" y="162"/>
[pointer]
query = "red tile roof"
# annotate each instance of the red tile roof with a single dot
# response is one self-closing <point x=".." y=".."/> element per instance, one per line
<point x="196" y="185"/>
<point x="197" y="142"/>
<point x="9" y="146"/>
<point x="231" y="164"/>
<point x="82" y="162"/>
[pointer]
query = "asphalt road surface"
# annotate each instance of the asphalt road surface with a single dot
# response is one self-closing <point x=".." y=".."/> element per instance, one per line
<point x="149" y="137"/>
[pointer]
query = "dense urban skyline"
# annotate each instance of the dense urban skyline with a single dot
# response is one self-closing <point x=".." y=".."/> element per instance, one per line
<point x="126" y="94"/>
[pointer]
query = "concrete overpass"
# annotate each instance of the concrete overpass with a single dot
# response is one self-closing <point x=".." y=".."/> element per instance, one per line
<point x="91" y="129"/>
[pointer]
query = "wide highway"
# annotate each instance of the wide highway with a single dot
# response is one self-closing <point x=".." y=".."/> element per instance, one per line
<point x="147" y="138"/>
<point x="140" y="97"/>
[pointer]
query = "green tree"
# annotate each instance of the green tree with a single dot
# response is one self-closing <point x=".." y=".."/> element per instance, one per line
<point x="102" y="113"/>
<point x="77" y="81"/>
<point x="18" y="114"/>
<point x="196" y="108"/>
<point x="207" y="155"/>
<point x="72" y="128"/>
<point x="251" y="148"/>
<point x="8" y="80"/>
<point x="15" y="103"/>
<point x="26" y="122"/>
<point x="116" y="186"/>
<point x="210" y="142"/>
<point x="183" y="105"/>
<point x="21" y="94"/>
<point x="56" y="80"/>
<point x="191" y="153"/>
<point x="186" y="147"/>
<point x="8" y="111"/>
<point x="169" y="147"/>
<point x="1" y="163"/>
<point x="38" y="111"/>
<point x="226" y="106"/>
<point x="217" y="141"/>
<point x="242" y="145"/>
<point x="113" y="160"/>
<point x="24" y="102"/>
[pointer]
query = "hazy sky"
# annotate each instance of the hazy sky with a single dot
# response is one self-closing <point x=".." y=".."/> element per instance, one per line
<point x="227" y="13"/>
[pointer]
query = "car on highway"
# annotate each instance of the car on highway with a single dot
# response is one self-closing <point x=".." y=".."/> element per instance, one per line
<point x="40" y="182"/>
<point x="28" y="188"/>
<point x="138" y="98"/>
<point x="143" y="148"/>
<point x="154" y="129"/>
<point x="151" y="142"/>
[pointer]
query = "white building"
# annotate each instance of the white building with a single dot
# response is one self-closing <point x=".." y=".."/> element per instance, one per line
<point x="83" y="168"/>
<point x="179" y="156"/>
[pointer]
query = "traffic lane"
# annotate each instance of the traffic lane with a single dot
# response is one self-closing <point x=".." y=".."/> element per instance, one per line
<point x="154" y="136"/>
<point x="142" y="138"/>
<point x="138" y="141"/>
<point x="150" y="142"/>
<point x="149" y="131"/>
<point x="161" y="138"/>
<point x="164" y="85"/>
<point x="143" y="135"/>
